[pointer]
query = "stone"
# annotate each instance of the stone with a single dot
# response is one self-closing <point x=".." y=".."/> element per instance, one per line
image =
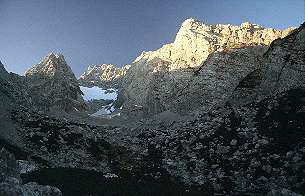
<point x="198" y="146"/>
<point x="263" y="142"/>
<point x="233" y="142"/>
<point x="222" y="149"/>
<point x="267" y="168"/>
<point x="282" y="192"/>
<point x="262" y="179"/>
<point x="8" y="166"/>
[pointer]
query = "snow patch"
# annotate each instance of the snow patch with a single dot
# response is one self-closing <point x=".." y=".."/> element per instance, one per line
<point x="98" y="93"/>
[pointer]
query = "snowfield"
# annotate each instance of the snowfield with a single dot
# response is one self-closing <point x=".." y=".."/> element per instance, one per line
<point x="98" y="93"/>
<point x="107" y="111"/>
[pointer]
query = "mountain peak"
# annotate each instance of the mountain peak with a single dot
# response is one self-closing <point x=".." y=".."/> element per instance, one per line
<point x="246" y="24"/>
<point x="55" y="55"/>
<point x="191" y="21"/>
<point x="196" y="40"/>
<point x="53" y="58"/>
<point x="54" y="85"/>
<point x="50" y="65"/>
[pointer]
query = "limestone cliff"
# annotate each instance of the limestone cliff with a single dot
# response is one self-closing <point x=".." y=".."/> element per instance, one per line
<point x="196" y="40"/>
<point x="200" y="68"/>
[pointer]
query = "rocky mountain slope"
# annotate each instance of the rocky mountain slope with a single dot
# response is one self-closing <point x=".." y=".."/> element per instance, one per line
<point x="256" y="148"/>
<point x="201" y="67"/>
<point x="53" y="85"/>
<point x="13" y="89"/>
<point x="104" y="76"/>
<point x="246" y="139"/>
<point x="282" y="69"/>
<point x="13" y="95"/>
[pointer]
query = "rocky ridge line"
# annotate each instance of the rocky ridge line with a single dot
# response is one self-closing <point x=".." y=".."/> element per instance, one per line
<point x="195" y="41"/>
<point x="105" y="76"/>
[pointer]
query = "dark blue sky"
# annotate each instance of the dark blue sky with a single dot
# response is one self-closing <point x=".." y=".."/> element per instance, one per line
<point x="116" y="31"/>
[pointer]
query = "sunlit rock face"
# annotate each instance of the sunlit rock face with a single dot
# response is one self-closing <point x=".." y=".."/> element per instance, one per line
<point x="53" y="86"/>
<point x="201" y="67"/>
<point x="105" y="76"/>
<point x="196" y="40"/>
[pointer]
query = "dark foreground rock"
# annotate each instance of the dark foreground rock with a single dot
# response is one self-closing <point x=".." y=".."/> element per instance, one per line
<point x="257" y="149"/>
<point x="53" y="142"/>
<point x="83" y="182"/>
<point x="11" y="183"/>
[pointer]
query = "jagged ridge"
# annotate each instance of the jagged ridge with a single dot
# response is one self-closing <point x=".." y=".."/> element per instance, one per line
<point x="105" y="76"/>
<point x="164" y="79"/>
